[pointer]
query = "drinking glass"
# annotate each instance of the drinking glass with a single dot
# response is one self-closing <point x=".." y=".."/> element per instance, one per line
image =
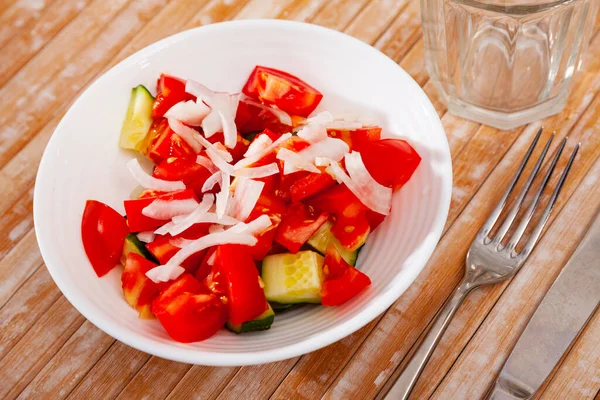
<point x="505" y="62"/>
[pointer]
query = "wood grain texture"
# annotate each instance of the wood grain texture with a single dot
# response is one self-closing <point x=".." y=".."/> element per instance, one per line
<point x="48" y="349"/>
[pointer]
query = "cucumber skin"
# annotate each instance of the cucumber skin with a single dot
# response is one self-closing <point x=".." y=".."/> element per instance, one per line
<point x="128" y="129"/>
<point x="260" y="323"/>
<point x="134" y="245"/>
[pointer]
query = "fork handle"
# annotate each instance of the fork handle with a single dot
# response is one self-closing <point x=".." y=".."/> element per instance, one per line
<point x="407" y="379"/>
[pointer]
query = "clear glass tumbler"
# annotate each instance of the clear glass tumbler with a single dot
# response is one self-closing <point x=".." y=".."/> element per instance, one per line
<point x="505" y="62"/>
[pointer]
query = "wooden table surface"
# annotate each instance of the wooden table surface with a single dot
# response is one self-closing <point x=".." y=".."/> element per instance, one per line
<point x="51" y="50"/>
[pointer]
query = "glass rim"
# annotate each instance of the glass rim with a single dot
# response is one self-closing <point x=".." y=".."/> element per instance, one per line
<point x="529" y="6"/>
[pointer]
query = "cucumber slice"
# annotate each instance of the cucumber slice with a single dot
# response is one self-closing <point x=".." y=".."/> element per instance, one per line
<point x="323" y="237"/>
<point x="138" y="119"/>
<point x="278" y="307"/>
<point x="260" y="323"/>
<point x="134" y="245"/>
<point x="293" y="278"/>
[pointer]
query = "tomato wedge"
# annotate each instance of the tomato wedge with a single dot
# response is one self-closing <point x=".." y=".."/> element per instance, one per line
<point x="357" y="137"/>
<point x="163" y="143"/>
<point x="250" y="118"/>
<point x="278" y="88"/>
<point x="270" y="205"/>
<point x="171" y="90"/>
<point x="165" y="247"/>
<point x="183" y="169"/>
<point x="240" y="147"/>
<point x="246" y="298"/>
<point x="351" y="226"/>
<point x="138" y="222"/>
<point x="138" y="289"/>
<point x="342" y="281"/>
<point x="103" y="232"/>
<point x="188" y="311"/>
<point x="338" y="201"/>
<point x="391" y="162"/>
<point x="310" y="185"/>
<point x="298" y="225"/>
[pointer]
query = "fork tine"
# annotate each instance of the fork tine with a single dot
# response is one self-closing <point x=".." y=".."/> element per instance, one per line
<point x="508" y="221"/>
<point x="489" y="223"/>
<point x="516" y="237"/>
<point x="531" y="242"/>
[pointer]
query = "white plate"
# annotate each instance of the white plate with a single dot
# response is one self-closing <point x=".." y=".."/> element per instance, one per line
<point x="82" y="161"/>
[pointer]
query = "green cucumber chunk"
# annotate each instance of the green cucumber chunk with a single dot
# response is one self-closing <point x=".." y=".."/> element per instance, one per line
<point x="293" y="278"/>
<point x="323" y="237"/>
<point x="277" y="307"/>
<point x="138" y="119"/>
<point x="260" y="323"/>
<point x="135" y="245"/>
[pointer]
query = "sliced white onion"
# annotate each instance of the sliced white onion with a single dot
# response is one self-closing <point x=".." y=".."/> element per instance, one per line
<point x="321" y="118"/>
<point x="213" y="239"/>
<point x="149" y="182"/>
<point x="358" y="173"/>
<point x="247" y="192"/>
<point x="167" y="209"/>
<point x="212" y="180"/>
<point x="223" y="195"/>
<point x="362" y="193"/>
<point x="322" y="161"/>
<point x="211" y="124"/>
<point x="179" y="225"/>
<point x="211" y="259"/>
<point x="281" y="115"/>
<point x="222" y="115"/>
<point x="206" y="163"/>
<point x="146" y="236"/>
<point x="260" y="143"/>
<point x="258" y="172"/>
<point x="331" y="148"/>
<point x="198" y="89"/>
<point x="294" y="162"/>
<point x="216" y="228"/>
<point x="257" y="226"/>
<point x="189" y="135"/>
<point x="344" y="125"/>
<point x="244" y="162"/>
<point x="219" y="162"/>
<point x="189" y="112"/>
<point x="164" y="273"/>
<point x="313" y="133"/>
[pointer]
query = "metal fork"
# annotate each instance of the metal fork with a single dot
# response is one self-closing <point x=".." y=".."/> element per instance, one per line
<point x="488" y="260"/>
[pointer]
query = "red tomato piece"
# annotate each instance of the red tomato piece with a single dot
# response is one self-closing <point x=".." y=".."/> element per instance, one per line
<point x="375" y="219"/>
<point x="250" y="118"/>
<point x="188" y="311"/>
<point x="240" y="147"/>
<point x="287" y="92"/>
<point x="357" y="137"/>
<point x="310" y="185"/>
<point x="338" y="291"/>
<point x="103" y="232"/>
<point x="138" y="222"/>
<point x="182" y="169"/>
<point x="205" y="268"/>
<point x="298" y="225"/>
<point x="163" y="143"/>
<point x="286" y="182"/>
<point x="391" y="162"/>
<point x="138" y="289"/>
<point x="170" y="91"/>
<point x="338" y="201"/>
<point x="334" y="265"/>
<point x="351" y="232"/>
<point x="273" y="207"/>
<point x="246" y="298"/>
<point x="165" y="247"/>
